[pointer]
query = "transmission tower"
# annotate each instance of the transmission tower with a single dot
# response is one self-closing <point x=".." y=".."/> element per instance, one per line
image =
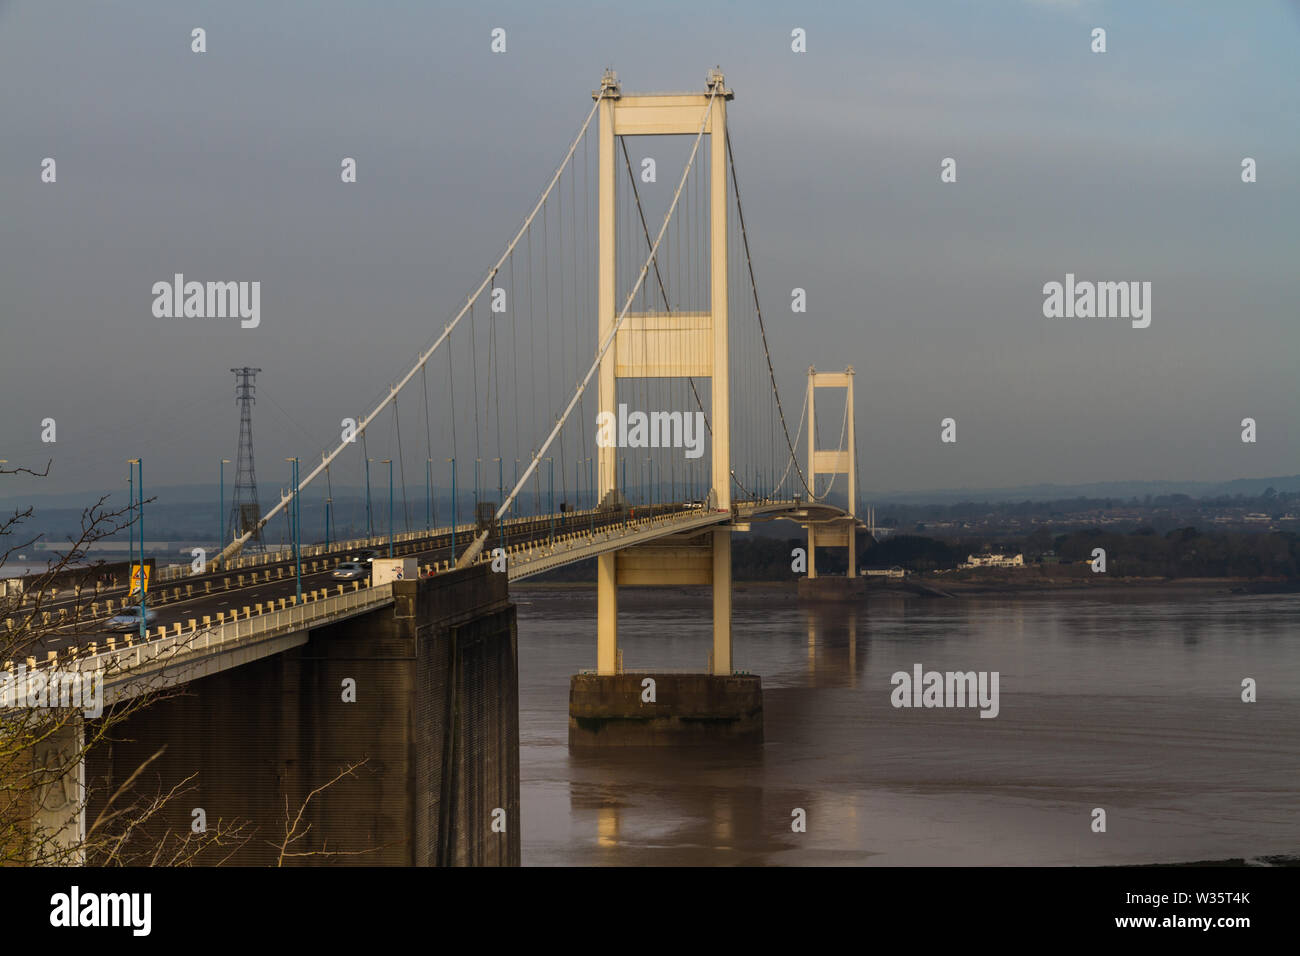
<point x="244" y="509"/>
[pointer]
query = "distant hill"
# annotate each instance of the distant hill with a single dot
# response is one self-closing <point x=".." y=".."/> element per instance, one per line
<point x="203" y="496"/>
<point x="206" y="495"/>
<point x="1097" y="489"/>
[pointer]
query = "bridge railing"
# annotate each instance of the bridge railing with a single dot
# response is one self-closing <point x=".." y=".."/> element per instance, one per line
<point x="117" y="663"/>
<point x="173" y="571"/>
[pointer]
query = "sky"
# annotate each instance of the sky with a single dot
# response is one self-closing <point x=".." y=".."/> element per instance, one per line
<point x="1123" y="165"/>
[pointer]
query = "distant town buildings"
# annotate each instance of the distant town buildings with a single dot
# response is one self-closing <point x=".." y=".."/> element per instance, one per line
<point x="990" y="560"/>
<point x="894" y="572"/>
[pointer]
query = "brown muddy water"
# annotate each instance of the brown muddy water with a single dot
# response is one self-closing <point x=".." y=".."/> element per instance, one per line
<point x="1130" y="703"/>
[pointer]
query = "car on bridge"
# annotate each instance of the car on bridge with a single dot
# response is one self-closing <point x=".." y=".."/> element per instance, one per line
<point x="351" y="571"/>
<point x="128" y="619"/>
<point x="365" y="555"/>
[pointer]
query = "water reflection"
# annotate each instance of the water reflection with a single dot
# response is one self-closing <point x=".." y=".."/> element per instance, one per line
<point x="636" y="809"/>
<point x="607" y="826"/>
<point x="833" y="644"/>
<point x="1127" y="701"/>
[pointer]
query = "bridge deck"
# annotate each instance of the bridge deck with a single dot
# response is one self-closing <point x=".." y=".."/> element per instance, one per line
<point x="263" y="625"/>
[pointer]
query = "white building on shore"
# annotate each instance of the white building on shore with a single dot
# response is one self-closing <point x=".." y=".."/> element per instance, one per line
<point x="989" y="560"/>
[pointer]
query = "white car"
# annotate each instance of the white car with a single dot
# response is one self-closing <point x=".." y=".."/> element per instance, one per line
<point x="128" y="619"/>
<point x="351" y="571"/>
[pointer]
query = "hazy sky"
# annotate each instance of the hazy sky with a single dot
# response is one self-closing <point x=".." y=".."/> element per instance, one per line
<point x="1117" y="166"/>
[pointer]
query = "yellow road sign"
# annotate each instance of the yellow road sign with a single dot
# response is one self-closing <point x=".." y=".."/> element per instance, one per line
<point x="136" y="570"/>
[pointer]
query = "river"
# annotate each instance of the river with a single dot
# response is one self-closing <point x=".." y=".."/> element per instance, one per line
<point x="1130" y="703"/>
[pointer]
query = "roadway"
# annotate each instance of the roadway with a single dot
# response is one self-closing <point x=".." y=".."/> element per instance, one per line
<point x="195" y="596"/>
<point x="264" y="587"/>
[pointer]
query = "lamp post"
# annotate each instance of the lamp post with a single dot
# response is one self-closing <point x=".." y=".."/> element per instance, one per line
<point x="501" y="495"/>
<point x="297" y="525"/>
<point x="428" y="494"/>
<point x="288" y="521"/>
<point x="221" y="505"/>
<point x="370" y="522"/>
<point x="130" y="548"/>
<point x="552" y="496"/>
<point x="591" y="493"/>
<point x="389" y="463"/>
<point x="329" y="511"/>
<point x="455" y="512"/>
<point x="329" y="516"/>
<point x="144" y="605"/>
<point x="144" y="591"/>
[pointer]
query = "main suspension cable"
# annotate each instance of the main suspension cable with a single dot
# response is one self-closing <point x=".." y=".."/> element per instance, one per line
<point x="761" y="326"/>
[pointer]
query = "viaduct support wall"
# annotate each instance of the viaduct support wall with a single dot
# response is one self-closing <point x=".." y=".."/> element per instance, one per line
<point x="421" y="698"/>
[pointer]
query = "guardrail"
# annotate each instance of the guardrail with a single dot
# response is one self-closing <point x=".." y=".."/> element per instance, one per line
<point x="528" y="550"/>
<point x="538" y="552"/>
<point x="118" y="662"/>
<point x="353" y="544"/>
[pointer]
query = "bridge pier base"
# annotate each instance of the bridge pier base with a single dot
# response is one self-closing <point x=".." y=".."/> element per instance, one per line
<point x="652" y="710"/>
<point x="832" y="589"/>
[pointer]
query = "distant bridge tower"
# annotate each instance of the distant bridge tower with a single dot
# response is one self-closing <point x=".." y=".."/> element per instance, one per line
<point x="666" y="345"/>
<point x="840" y="531"/>
<point x="244" y="510"/>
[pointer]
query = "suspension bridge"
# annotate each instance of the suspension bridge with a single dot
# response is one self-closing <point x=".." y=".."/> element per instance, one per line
<point x="618" y="345"/>
<point x="619" y="299"/>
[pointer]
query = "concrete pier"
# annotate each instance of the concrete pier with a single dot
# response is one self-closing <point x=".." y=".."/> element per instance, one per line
<point x="687" y="710"/>
<point x="832" y="589"/>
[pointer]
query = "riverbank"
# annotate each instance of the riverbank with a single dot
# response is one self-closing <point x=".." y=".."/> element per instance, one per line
<point x="1236" y="861"/>
<point x="1100" y="584"/>
<point x="974" y="588"/>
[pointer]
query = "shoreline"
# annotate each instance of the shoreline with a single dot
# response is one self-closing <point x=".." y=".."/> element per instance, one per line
<point x="1225" y="585"/>
<point x="1236" y="586"/>
<point x="1280" y="860"/>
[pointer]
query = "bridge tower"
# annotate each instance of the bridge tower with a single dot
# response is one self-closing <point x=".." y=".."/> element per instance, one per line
<point x="838" y="531"/>
<point x="666" y="345"/>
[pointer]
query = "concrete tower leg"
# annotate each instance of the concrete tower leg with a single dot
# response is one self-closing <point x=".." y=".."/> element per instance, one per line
<point x="607" y="614"/>
<point x="722" y="603"/>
